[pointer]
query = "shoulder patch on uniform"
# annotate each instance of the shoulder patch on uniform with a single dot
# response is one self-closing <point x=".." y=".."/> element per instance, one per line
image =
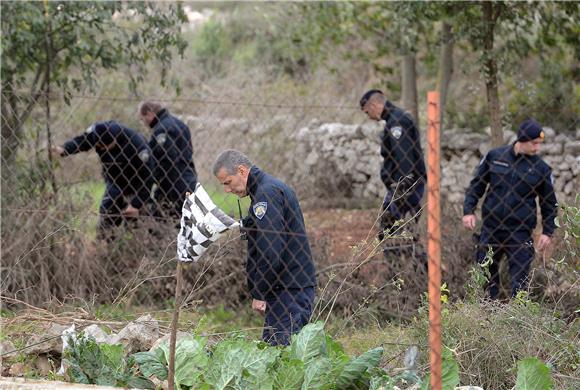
<point x="90" y="129"/>
<point x="161" y="138"/>
<point x="397" y="131"/>
<point x="260" y="209"/>
<point x="144" y="155"/>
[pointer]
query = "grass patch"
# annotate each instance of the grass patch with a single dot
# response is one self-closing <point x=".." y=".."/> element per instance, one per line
<point x="228" y="203"/>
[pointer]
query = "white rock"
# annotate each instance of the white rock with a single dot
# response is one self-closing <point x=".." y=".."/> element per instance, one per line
<point x="455" y="197"/>
<point x="97" y="333"/>
<point x="7" y="348"/>
<point x="138" y="335"/>
<point x="561" y="138"/>
<point x="312" y="158"/>
<point x="549" y="132"/>
<point x="565" y="175"/>
<point x="552" y="148"/>
<point x="52" y="340"/>
<point x="165" y="339"/>
<point x="484" y="147"/>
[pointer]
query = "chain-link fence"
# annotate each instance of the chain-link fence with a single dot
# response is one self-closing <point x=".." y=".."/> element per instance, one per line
<point x="331" y="205"/>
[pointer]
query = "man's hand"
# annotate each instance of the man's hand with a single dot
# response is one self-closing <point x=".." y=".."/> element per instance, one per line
<point x="469" y="221"/>
<point x="56" y="151"/>
<point x="259" y="306"/>
<point x="131" y="212"/>
<point x="544" y="242"/>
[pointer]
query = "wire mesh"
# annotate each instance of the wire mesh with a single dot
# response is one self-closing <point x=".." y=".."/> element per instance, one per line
<point x="334" y="219"/>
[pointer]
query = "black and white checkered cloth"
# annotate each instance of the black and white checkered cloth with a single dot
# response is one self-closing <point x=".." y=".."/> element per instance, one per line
<point x="202" y="222"/>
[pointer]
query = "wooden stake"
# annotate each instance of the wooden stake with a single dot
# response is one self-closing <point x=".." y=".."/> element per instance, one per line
<point x="174" y="324"/>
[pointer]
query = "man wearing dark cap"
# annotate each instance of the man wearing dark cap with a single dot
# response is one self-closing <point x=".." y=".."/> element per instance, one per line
<point x="403" y="171"/>
<point x="126" y="167"/>
<point x="174" y="170"/>
<point x="514" y="176"/>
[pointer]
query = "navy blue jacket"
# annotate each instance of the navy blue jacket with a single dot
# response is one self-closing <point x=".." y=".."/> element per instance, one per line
<point x="279" y="254"/>
<point x="400" y="147"/>
<point x="126" y="164"/>
<point x="513" y="183"/>
<point x="174" y="169"/>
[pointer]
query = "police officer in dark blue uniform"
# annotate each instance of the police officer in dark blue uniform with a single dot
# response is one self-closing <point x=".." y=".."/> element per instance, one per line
<point x="403" y="171"/>
<point x="280" y="270"/>
<point x="174" y="170"/>
<point x="514" y="176"/>
<point x="126" y="167"/>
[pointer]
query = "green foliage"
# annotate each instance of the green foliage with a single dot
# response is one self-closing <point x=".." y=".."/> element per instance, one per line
<point x="533" y="374"/>
<point x="211" y="46"/>
<point x="103" y="365"/>
<point x="479" y="275"/>
<point x="312" y="361"/>
<point x="65" y="44"/>
<point x="549" y="98"/>
<point x="449" y="372"/>
<point x="85" y="37"/>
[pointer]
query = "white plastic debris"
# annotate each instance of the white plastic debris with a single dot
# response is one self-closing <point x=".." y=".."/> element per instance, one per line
<point x="67" y="334"/>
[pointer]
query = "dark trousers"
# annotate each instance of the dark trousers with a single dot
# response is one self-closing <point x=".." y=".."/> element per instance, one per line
<point x="518" y="247"/>
<point x="401" y="200"/>
<point x="110" y="212"/>
<point x="287" y="311"/>
<point x="112" y="205"/>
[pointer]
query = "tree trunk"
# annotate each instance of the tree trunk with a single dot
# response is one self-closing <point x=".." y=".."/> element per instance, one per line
<point x="445" y="68"/>
<point x="11" y="134"/>
<point x="409" y="85"/>
<point x="490" y="15"/>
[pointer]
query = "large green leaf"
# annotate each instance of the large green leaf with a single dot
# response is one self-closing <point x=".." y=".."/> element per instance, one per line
<point x="76" y="374"/>
<point x="191" y="360"/>
<point x="238" y="361"/>
<point x="289" y="375"/>
<point x="333" y="348"/>
<point x="256" y="365"/>
<point x="309" y="343"/>
<point x="151" y="365"/>
<point x="533" y="374"/>
<point x="354" y="369"/>
<point x="113" y="356"/>
<point x="318" y="374"/>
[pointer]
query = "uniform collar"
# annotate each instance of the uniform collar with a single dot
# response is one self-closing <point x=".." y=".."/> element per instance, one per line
<point x="160" y="115"/>
<point x="521" y="155"/>
<point x="387" y="110"/>
<point x="254" y="178"/>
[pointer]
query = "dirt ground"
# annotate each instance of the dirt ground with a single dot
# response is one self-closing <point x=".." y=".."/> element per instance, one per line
<point x="343" y="228"/>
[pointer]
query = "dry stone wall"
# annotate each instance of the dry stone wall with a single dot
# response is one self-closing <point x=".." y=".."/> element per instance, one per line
<point x="351" y="154"/>
<point x="329" y="161"/>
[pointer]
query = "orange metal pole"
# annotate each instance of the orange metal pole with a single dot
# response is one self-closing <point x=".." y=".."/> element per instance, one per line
<point x="434" y="236"/>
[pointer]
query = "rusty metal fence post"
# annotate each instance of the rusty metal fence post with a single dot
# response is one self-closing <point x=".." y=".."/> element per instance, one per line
<point x="434" y="236"/>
